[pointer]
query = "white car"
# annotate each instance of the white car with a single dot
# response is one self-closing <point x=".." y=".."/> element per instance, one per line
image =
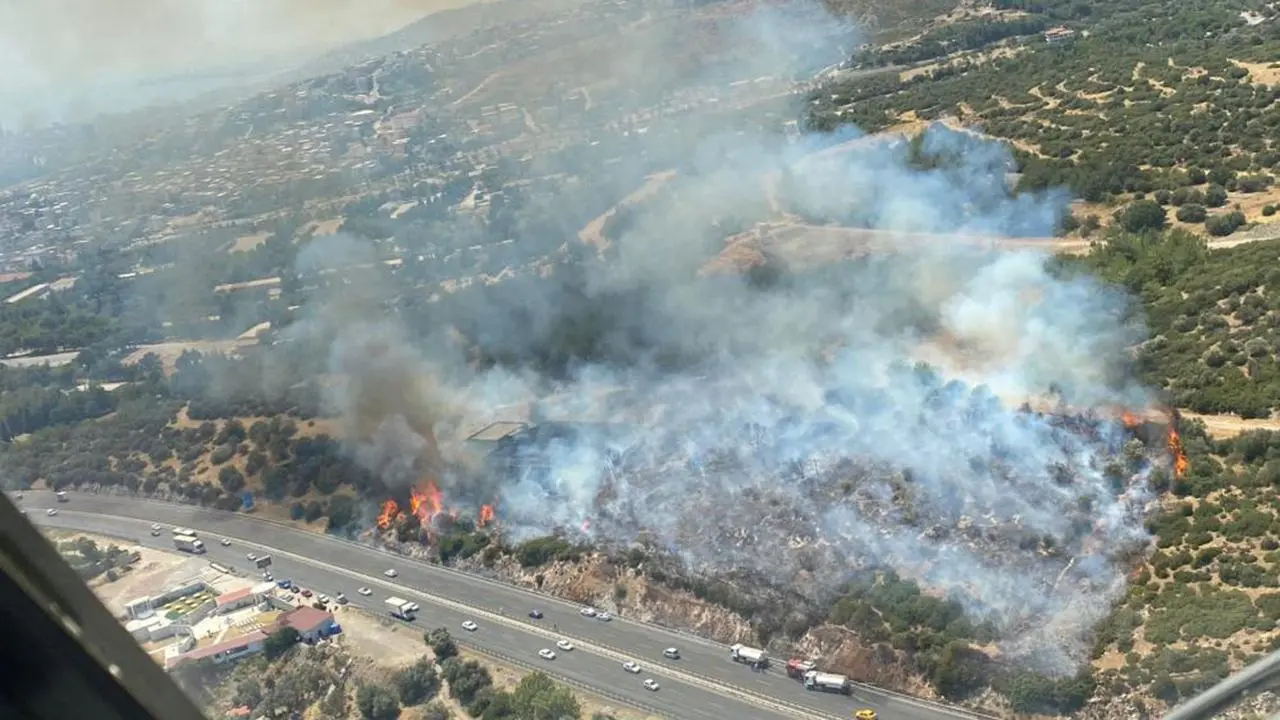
<point x="672" y="653"/>
<point x="604" y="617"/>
<point x="391" y="572"/>
<point x="322" y="598"/>
<point x="251" y="557"/>
<point x="546" y="654"/>
<point x="225" y="542"/>
<point x="587" y="612"/>
<point x="156" y="527"/>
<point x="564" y="645"/>
<point x="631" y="666"/>
<point x="51" y="512"/>
<point x="470" y="626"/>
<point x="365" y="592"/>
<point x="268" y="577"/>
<point x="651" y="684"/>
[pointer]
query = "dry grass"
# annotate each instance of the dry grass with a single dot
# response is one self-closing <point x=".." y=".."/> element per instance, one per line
<point x="1261" y="73"/>
<point x="1226" y="426"/>
<point x="249" y="242"/>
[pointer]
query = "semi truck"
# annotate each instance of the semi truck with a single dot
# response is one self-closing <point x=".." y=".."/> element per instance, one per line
<point x="754" y="657"/>
<point x="797" y="667"/>
<point x="402" y="609"/>
<point x="188" y="543"/>
<point x="827" y="682"/>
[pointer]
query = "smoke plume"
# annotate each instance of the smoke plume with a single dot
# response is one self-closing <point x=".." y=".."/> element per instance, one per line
<point x="787" y="431"/>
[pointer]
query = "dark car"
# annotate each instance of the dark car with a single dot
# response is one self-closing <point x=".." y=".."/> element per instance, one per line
<point x="535" y="614"/>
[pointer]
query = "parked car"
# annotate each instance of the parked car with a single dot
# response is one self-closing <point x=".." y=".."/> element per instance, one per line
<point x="546" y="654"/>
<point x="305" y="593"/>
<point x="342" y="599"/>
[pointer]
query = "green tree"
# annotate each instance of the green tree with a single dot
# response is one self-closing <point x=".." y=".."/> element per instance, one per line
<point x="1143" y="215"/>
<point x="279" y="642"/>
<point x="442" y="644"/>
<point x="538" y="697"/>
<point x="376" y="703"/>
<point x="417" y="683"/>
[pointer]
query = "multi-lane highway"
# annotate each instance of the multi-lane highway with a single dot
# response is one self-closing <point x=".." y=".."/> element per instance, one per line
<point x="704" y="683"/>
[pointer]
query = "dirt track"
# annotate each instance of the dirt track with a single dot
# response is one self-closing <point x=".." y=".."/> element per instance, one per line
<point x="1226" y="426"/>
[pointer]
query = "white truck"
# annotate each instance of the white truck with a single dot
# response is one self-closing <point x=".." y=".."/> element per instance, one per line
<point x="402" y="609"/>
<point x="749" y="656"/>
<point x="189" y="543"/>
<point x="827" y="682"/>
<point x="184" y="531"/>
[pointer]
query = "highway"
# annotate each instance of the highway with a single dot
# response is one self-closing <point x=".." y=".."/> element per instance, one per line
<point x="704" y="683"/>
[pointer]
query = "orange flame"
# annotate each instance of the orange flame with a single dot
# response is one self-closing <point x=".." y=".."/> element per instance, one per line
<point x="1180" y="464"/>
<point x="427" y="502"/>
<point x="1130" y="420"/>
<point x="486" y="515"/>
<point x="388" y="515"/>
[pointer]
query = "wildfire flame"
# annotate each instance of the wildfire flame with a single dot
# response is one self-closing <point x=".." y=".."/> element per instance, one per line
<point x="486" y="515"/>
<point x="388" y="515"/>
<point x="1130" y="420"/>
<point x="1180" y="464"/>
<point x="427" y="502"/>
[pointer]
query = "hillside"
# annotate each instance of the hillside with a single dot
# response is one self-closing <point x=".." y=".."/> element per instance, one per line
<point x="1115" y="112"/>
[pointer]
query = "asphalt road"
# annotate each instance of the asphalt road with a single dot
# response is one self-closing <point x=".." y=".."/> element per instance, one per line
<point x="704" y="683"/>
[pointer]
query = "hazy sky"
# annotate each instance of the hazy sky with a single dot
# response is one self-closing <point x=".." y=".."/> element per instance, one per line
<point x="58" y="55"/>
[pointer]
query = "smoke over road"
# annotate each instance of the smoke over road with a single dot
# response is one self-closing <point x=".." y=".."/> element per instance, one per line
<point x="785" y="430"/>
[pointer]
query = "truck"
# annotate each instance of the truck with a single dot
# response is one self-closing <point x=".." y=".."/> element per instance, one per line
<point x="797" y="667"/>
<point x="189" y="543"/>
<point x="402" y="609"/>
<point x="263" y="561"/>
<point x="754" y="657"/>
<point x="62" y="496"/>
<point x="827" y="682"/>
<point x="184" y="531"/>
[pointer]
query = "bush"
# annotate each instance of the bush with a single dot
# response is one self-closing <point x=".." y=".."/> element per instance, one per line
<point x="376" y="703"/>
<point x="1224" y="224"/>
<point x="1268" y="210"/>
<point x="416" y="683"/>
<point x="1191" y="213"/>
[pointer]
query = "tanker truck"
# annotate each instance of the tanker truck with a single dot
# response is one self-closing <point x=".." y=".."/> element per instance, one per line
<point x="827" y="682"/>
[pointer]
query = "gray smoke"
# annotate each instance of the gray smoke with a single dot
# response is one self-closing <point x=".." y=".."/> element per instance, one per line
<point x="803" y="442"/>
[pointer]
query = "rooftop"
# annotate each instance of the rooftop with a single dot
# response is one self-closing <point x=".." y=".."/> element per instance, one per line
<point x="235" y="643"/>
<point x="234" y="596"/>
<point x="305" y="619"/>
<point x="494" y="432"/>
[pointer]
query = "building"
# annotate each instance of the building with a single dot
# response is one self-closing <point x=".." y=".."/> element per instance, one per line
<point x="226" y="651"/>
<point x="1059" y="34"/>
<point x="311" y="623"/>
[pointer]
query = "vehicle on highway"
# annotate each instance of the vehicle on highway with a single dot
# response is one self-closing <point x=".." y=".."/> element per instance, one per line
<point x="155" y="532"/>
<point x="251" y="557"/>
<point x="587" y="612"/>
<point x="401" y="609"/>
<point x="225" y="542"/>
<point x="469" y="626"/>
<point x="62" y="496"/>
<point x="865" y="714"/>
<point x="304" y="592"/>
<point x="604" y="617"/>
<point x="672" y="653"/>
<point x="340" y="598"/>
<point x="564" y="645"/>
<point x="546" y="654"/>
<point x="535" y="614"/>
<point x="651" y="684"/>
<point x="631" y="666"/>
<point x="365" y="591"/>
<point x="185" y="531"/>
<point x="414" y="607"/>
<point x="51" y="511"/>
<point x="156" y="527"/>
<point x="391" y="572"/>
